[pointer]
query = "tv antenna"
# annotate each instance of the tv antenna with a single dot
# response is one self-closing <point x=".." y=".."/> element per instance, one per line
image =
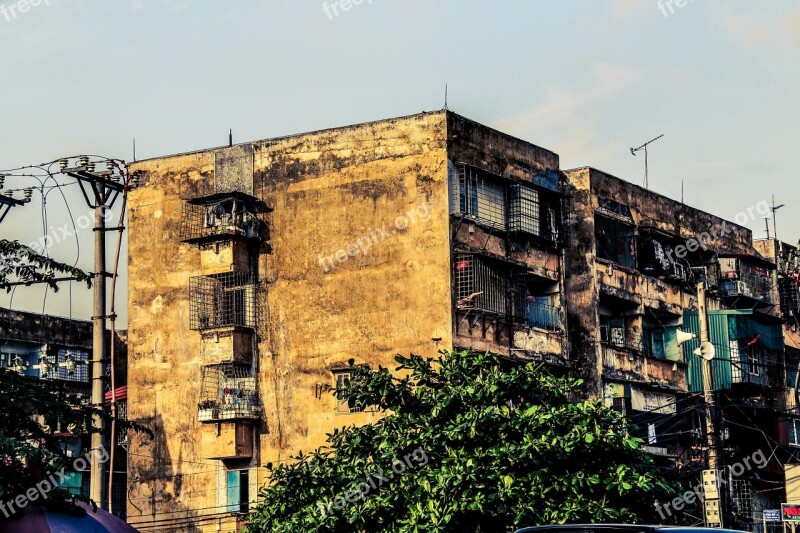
<point x="644" y="147"/>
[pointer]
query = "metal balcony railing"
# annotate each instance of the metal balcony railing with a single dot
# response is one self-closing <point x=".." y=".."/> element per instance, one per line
<point x="543" y="316"/>
<point x="228" y="392"/>
<point x="222" y="300"/>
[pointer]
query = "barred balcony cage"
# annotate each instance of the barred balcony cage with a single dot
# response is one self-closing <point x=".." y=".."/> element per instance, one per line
<point x="502" y="289"/>
<point x="220" y="217"/>
<point x="228" y="392"/>
<point x="221" y="301"/>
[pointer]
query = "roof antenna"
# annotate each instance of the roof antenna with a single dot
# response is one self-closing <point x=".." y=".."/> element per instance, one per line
<point x="134" y="149"/>
<point x="766" y="222"/>
<point x="445" y="97"/>
<point x="230" y="137"/>
<point x="644" y="147"/>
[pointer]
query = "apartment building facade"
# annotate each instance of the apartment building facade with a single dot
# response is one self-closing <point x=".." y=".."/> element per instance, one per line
<point x="631" y="276"/>
<point x="258" y="272"/>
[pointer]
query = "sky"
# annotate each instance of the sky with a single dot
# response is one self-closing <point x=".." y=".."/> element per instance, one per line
<point x="586" y="79"/>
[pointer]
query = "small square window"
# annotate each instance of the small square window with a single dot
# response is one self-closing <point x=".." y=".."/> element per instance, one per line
<point x="344" y="403"/>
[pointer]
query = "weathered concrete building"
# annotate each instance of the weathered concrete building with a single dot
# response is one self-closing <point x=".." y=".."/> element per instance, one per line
<point x="631" y="273"/>
<point x="258" y="271"/>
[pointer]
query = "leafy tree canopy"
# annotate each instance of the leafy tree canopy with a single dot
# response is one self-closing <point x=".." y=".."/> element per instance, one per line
<point x="35" y="415"/>
<point x="468" y="443"/>
<point x="19" y="263"/>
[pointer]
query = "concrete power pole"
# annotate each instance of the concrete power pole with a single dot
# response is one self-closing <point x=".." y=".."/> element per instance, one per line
<point x="100" y="190"/>
<point x="98" y="345"/>
<point x="713" y="514"/>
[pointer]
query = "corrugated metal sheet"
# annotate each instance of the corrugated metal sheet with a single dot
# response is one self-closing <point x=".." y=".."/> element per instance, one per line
<point x="721" y="365"/>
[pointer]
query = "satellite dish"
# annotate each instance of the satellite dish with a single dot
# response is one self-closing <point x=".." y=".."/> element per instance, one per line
<point x="706" y="351"/>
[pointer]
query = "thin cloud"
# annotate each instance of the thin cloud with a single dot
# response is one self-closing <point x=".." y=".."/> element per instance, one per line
<point x="765" y="33"/>
<point x="561" y="105"/>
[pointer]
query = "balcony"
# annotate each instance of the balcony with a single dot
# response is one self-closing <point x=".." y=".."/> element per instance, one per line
<point x="225" y="300"/>
<point x="228" y="392"/>
<point x="744" y="279"/>
<point x="221" y="217"/>
<point x="543" y="316"/>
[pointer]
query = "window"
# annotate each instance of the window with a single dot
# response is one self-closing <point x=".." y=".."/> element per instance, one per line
<point x="612" y="331"/>
<point x="651" y="433"/>
<point x="344" y="403"/>
<point x="793" y="427"/>
<point x="482" y="197"/>
<point x="238" y="491"/>
<point x="523" y="211"/>
<point x="509" y="205"/>
<point x="614" y="241"/>
<point x="73" y="365"/>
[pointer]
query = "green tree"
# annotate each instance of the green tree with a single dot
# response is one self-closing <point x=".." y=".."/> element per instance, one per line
<point x="504" y="445"/>
<point x="35" y="412"/>
<point x="19" y="263"/>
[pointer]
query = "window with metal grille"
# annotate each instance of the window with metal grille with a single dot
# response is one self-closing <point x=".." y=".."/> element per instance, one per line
<point x="614" y="241"/>
<point x="344" y="403"/>
<point x="73" y="365"/>
<point x="793" y="427"/>
<point x="500" y="288"/>
<point x="482" y="196"/>
<point x="524" y="212"/>
<point x="481" y="285"/>
<point x="228" y="392"/>
<point x="222" y="300"/>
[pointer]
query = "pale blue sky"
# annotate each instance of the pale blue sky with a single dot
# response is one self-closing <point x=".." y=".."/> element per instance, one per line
<point x="583" y="78"/>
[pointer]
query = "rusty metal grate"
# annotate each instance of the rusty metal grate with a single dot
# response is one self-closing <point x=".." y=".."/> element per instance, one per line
<point x="228" y="392"/>
<point x="222" y="300"/>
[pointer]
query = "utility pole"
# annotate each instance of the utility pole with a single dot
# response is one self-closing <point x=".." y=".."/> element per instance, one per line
<point x="99" y="345"/>
<point x="774" y="227"/>
<point x="711" y="502"/>
<point x="100" y="193"/>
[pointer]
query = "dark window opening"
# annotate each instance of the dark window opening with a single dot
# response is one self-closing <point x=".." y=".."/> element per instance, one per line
<point x="614" y="241"/>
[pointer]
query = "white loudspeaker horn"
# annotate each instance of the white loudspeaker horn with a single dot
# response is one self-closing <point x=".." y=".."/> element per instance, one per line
<point x="683" y="336"/>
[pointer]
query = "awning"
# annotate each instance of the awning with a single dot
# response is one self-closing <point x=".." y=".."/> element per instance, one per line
<point x="122" y="394"/>
<point x="791" y="338"/>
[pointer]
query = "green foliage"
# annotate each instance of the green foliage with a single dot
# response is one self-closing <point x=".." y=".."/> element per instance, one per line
<point x="505" y="447"/>
<point x="26" y="266"/>
<point x="33" y="412"/>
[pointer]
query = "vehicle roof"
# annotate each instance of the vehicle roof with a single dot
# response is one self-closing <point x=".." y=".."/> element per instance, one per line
<point x="623" y="527"/>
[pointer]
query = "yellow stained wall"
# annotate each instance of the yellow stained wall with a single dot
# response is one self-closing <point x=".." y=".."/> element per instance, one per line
<point x="326" y="190"/>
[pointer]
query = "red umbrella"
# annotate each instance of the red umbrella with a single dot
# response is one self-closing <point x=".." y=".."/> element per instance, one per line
<point x="84" y="519"/>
